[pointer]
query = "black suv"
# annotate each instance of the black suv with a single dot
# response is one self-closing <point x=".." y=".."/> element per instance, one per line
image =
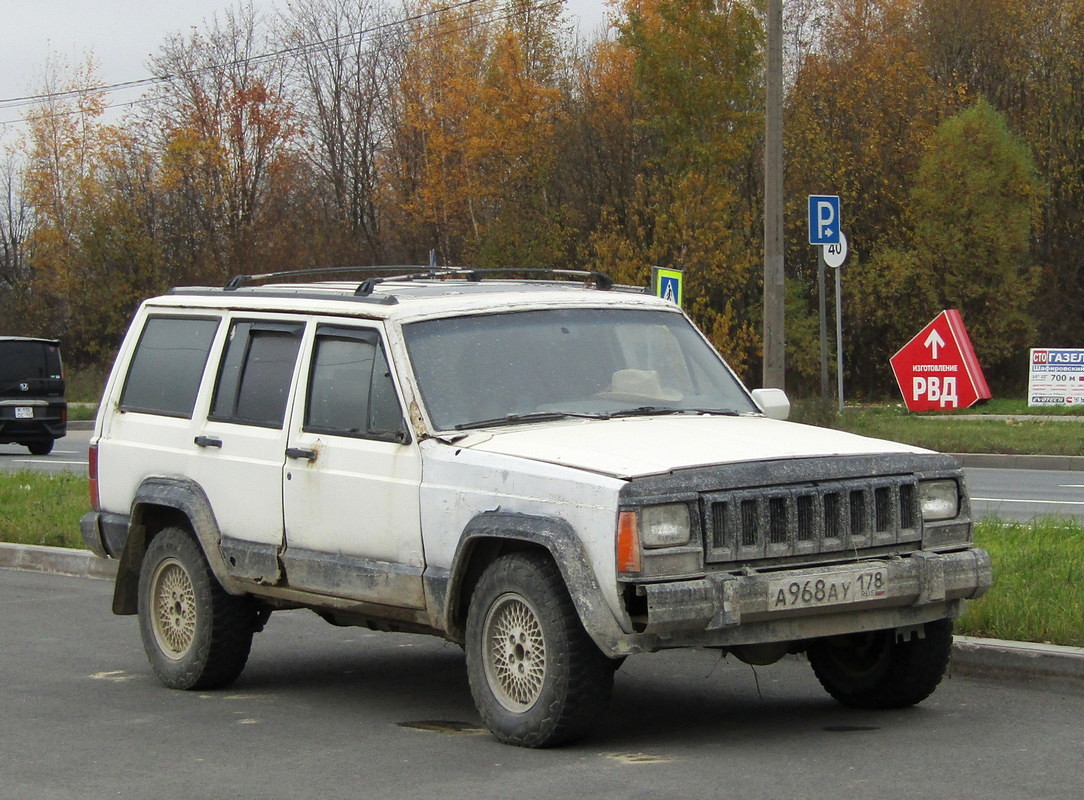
<point x="33" y="411"/>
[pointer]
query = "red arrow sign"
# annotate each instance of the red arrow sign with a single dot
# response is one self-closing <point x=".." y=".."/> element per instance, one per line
<point x="938" y="368"/>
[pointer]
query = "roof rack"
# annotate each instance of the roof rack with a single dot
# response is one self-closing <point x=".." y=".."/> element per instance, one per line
<point x="238" y="281"/>
<point x="599" y="280"/>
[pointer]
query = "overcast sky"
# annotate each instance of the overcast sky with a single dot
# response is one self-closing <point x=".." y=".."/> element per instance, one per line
<point x="120" y="33"/>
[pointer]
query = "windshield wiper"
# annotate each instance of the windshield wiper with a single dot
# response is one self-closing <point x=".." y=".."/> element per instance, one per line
<point x="649" y="411"/>
<point x="534" y="416"/>
<point x="716" y="412"/>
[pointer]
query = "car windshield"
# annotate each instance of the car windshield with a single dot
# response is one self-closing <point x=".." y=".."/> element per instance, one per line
<point x="514" y="367"/>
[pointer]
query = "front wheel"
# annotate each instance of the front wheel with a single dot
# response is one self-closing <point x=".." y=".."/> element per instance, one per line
<point x="874" y="670"/>
<point x="537" y="678"/>
<point x="196" y="635"/>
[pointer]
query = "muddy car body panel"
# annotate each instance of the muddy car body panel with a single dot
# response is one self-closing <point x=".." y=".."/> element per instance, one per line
<point x="556" y="475"/>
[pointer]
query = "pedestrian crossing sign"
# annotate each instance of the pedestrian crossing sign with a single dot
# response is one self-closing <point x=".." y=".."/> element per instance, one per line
<point x="667" y="284"/>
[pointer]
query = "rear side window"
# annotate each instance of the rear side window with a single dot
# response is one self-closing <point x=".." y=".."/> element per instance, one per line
<point x="29" y="359"/>
<point x="164" y="376"/>
<point x="350" y="388"/>
<point x="256" y="372"/>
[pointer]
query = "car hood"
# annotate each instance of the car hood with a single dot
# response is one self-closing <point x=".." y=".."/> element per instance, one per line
<point x="637" y="446"/>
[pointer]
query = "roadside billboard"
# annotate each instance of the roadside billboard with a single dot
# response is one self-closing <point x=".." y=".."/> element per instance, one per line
<point x="1056" y="377"/>
<point x="938" y="369"/>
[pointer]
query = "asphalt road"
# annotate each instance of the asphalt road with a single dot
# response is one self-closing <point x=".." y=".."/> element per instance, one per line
<point x="69" y="455"/>
<point x="1010" y="494"/>
<point x="1023" y="494"/>
<point x="346" y="713"/>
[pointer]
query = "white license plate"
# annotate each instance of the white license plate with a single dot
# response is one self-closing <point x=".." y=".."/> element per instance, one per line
<point x="24" y="412"/>
<point x="852" y="585"/>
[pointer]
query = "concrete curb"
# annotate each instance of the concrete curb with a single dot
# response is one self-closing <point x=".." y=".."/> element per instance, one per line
<point x="1026" y="661"/>
<point x="56" y="561"/>
<point x="1048" y="665"/>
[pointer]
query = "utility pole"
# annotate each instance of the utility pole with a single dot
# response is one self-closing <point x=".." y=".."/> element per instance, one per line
<point x="774" y="287"/>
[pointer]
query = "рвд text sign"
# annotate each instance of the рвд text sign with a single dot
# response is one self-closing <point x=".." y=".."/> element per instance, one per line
<point x="938" y="368"/>
<point x="1056" y="377"/>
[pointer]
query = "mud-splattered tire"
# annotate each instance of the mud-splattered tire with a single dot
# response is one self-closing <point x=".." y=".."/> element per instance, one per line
<point x="537" y="678"/>
<point x="873" y="670"/>
<point x="196" y="635"/>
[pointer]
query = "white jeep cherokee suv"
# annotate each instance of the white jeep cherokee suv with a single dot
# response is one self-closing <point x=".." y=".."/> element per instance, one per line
<point x="554" y="474"/>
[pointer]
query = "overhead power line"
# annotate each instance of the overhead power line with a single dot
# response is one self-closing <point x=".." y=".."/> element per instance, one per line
<point x="323" y="44"/>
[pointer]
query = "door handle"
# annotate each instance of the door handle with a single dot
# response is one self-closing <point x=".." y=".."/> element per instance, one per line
<point x="207" y="441"/>
<point x="301" y="452"/>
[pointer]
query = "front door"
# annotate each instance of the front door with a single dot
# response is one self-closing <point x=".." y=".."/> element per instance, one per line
<point x="352" y="476"/>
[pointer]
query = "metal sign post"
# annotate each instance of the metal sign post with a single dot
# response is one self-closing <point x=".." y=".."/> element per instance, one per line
<point x="823" y="326"/>
<point x="839" y="339"/>
<point x="824" y="232"/>
<point x="834" y="255"/>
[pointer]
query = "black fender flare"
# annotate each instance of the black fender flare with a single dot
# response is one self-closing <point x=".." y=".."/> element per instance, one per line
<point x="189" y="501"/>
<point x="559" y="539"/>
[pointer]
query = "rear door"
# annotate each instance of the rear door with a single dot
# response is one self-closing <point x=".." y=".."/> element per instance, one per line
<point x="239" y="452"/>
<point x="352" y="474"/>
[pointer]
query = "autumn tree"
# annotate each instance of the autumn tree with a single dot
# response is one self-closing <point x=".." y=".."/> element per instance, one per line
<point x="1054" y="129"/>
<point x="473" y="143"/>
<point x="521" y="110"/>
<point x="975" y="202"/>
<point x="71" y="292"/>
<point x="433" y="162"/>
<point x="223" y="128"/>
<point x="857" y="120"/>
<point x="15" y="224"/>
<point x="343" y="52"/>
<point x="973" y="208"/>
<point x="693" y="203"/>
<point x="601" y="150"/>
<point x="988" y="48"/>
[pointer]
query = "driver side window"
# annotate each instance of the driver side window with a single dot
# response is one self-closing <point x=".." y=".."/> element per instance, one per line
<point x="350" y="387"/>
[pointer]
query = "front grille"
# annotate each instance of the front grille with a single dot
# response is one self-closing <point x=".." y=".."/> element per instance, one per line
<point x="807" y="519"/>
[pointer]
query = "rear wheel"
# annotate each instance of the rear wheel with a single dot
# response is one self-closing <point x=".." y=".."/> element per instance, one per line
<point x="41" y="448"/>
<point x="873" y="670"/>
<point x="196" y="635"/>
<point x="537" y="678"/>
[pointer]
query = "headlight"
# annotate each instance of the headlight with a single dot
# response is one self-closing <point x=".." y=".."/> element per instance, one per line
<point x="665" y="526"/>
<point x="940" y="500"/>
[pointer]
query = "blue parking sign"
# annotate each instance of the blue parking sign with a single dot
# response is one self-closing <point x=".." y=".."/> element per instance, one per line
<point x="824" y="219"/>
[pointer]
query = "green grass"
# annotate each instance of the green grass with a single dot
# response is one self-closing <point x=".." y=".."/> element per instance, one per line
<point x="42" y="509"/>
<point x="1038" y="578"/>
<point x="1004" y="405"/>
<point x="83" y="388"/>
<point x="1046" y="434"/>
<point x="84" y="385"/>
<point x="81" y="412"/>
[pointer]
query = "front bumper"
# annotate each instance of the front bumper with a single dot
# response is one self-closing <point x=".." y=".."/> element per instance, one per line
<point x="724" y="609"/>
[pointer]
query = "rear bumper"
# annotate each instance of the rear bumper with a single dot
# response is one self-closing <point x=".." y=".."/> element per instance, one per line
<point x="49" y="421"/>
<point x="725" y="609"/>
<point x="104" y="534"/>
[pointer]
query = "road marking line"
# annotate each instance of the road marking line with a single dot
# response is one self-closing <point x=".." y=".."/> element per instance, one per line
<point x="1047" y="502"/>
<point x="47" y="461"/>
